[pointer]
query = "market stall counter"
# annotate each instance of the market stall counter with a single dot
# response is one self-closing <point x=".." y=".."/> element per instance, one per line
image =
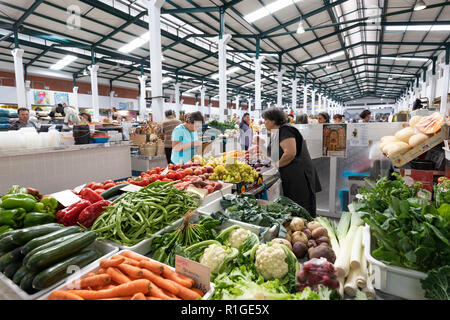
<point x="64" y="167"/>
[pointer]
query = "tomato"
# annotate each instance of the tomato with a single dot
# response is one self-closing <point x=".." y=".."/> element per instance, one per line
<point x="204" y="170"/>
<point x="97" y="186"/>
<point x="177" y="176"/>
<point x="188" y="172"/>
<point x="108" y="181"/>
<point x="99" y="190"/>
<point x="89" y="185"/>
<point x="108" y="185"/>
<point x="198" y="172"/>
<point x="166" y="179"/>
<point x="154" y="177"/>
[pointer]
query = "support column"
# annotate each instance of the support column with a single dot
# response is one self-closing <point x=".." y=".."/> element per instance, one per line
<point x="142" y="103"/>
<point x="111" y="97"/>
<point x="29" y="94"/>
<point x="75" y="99"/>
<point x="154" y="17"/>
<point x="258" y="62"/>
<point x="94" y="88"/>
<point x="305" y="98"/>
<point x="280" y="88"/>
<point x="444" y="93"/>
<point x="313" y="100"/>
<point x="202" y="97"/>
<point x="319" y="103"/>
<point x="249" y="105"/>
<point x="177" y="98"/>
<point x="20" y="82"/>
<point x="238" y="111"/>
<point x="294" y="94"/>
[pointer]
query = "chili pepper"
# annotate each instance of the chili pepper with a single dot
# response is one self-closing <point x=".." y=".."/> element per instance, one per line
<point x="13" y="217"/>
<point x="20" y="200"/>
<point x="91" y="213"/>
<point x="90" y="195"/>
<point x="70" y="217"/>
<point x="35" y="193"/>
<point x="5" y="228"/>
<point x="38" y="218"/>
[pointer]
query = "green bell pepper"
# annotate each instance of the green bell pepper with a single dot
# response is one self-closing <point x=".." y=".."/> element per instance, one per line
<point x="14" y="201"/>
<point x="13" y="217"/>
<point x="17" y="189"/>
<point x="50" y="204"/>
<point x="39" y="207"/>
<point x="38" y="218"/>
<point x="5" y="228"/>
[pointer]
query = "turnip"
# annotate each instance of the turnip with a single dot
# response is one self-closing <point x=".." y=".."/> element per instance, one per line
<point x="319" y="232"/>
<point x="299" y="249"/>
<point x="307" y="232"/>
<point x="297" y="224"/>
<point x="321" y="240"/>
<point x="323" y="251"/>
<point x="299" y="236"/>
<point x="313" y="225"/>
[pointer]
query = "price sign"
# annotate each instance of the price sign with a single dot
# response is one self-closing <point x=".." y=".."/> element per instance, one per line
<point x="131" y="188"/>
<point x="66" y="197"/>
<point x="79" y="188"/>
<point x="165" y="171"/>
<point x="194" y="270"/>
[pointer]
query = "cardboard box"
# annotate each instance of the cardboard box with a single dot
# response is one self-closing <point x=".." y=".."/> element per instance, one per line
<point x="423" y="176"/>
<point x="433" y="141"/>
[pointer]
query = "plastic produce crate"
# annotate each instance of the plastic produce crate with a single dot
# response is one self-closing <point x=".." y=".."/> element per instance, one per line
<point x="400" y="282"/>
<point x="226" y="189"/>
<point x="94" y="267"/>
<point x="10" y="291"/>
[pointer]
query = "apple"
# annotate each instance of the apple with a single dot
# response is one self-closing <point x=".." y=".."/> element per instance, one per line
<point x="198" y="172"/>
<point x="209" y="169"/>
<point x="188" y="172"/>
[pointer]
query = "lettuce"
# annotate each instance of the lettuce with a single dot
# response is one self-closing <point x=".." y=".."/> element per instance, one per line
<point x="437" y="284"/>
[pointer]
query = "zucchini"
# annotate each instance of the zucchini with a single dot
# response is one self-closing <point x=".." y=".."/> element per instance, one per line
<point x="16" y="254"/>
<point x="39" y="241"/>
<point x="59" y="271"/>
<point x="20" y="274"/>
<point x="48" y="245"/>
<point x="26" y="284"/>
<point x="20" y="237"/>
<point x="114" y="191"/>
<point x="49" y="256"/>
<point x="12" y="268"/>
<point x="6" y="259"/>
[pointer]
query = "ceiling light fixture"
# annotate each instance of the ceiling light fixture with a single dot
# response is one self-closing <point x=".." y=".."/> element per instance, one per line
<point x="420" y="5"/>
<point x="63" y="62"/>
<point x="404" y="58"/>
<point x="300" y="28"/>
<point x="268" y="9"/>
<point x="326" y="58"/>
<point x="328" y="66"/>
<point x="229" y="71"/>
<point x="136" y="43"/>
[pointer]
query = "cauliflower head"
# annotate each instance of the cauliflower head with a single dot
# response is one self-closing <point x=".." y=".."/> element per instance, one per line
<point x="237" y="237"/>
<point x="270" y="261"/>
<point x="213" y="256"/>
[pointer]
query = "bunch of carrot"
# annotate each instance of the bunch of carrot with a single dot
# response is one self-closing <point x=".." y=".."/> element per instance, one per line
<point x="130" y="276"/>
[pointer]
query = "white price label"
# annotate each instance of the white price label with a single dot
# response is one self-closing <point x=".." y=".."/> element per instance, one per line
<point x="131" y="188"/>
<point x="79" y="188"/>
<point x="165" y="171"/>
<point x="66" y="197"/>
<point x="194" y="270"/>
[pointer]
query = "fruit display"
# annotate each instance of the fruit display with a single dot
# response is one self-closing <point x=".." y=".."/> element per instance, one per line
<point x="235" y="173"/>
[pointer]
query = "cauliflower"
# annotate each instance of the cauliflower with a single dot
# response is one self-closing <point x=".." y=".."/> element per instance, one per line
<point x="213" y="256"/>
<point x="237" y="237"/>
<point x="270" y="261"/>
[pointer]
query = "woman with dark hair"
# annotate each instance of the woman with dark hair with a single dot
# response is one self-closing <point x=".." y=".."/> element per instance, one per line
<point x="246" y="132"/>
<point x="417" y="104"/>
<point x="167" y="127"/>
<point x="185" y="138"/>
<point x="301" y="119"/>
<point x="323" y="117"/>
<point x="338" y="118"/>
<point x="288" y="149"/>
<point x="365" y="115"/>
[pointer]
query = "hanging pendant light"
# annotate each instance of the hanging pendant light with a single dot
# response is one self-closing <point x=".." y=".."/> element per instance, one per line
<point x="420" y="5"/>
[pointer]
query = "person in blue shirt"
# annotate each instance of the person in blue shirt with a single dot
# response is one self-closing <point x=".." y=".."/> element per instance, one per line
<point x="185" y="140"/>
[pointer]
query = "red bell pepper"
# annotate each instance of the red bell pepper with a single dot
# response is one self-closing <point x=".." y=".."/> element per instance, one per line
<point x="71" y="214"/>
<point x="90" y="195"/>
<point x="35" y="193"/>
<point x="91" y="213"/>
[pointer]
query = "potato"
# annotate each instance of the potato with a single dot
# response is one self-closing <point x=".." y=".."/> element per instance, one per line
<point x="307" y="232"/>
<point x="299" y="249"/>
<point x="310" y="251"/>
<point x="324" y="244"/>
<point x="319" y="232"/>
<point x="288" y="238"/>
<point x="312" y="243"/>
<point x="313" y="225"/>
<point x="323" y="239"/>
<point x="282" y="241"/>
<point x="299" y="236"/>
<point x="297" y="224"/>
<point x="323" y="251"/>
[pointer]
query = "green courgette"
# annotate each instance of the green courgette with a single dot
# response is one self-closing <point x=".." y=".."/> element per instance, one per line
<point x="26" y="284"/>
<point x="5" y="260"/>
<point x="59" y="271"/>
<point x="48" y="245"/>
<point x="39" y="241"/>
<point x="12" y="268"/>
<point x="49" y="256"/>
<point x="20" y="237"/>
<point x="114" y="191"/>
<point x="20" y="273"/>
<point x="17" y="254"/>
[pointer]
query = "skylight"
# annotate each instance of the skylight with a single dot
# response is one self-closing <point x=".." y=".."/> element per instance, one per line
<point x="404" y="59"/>
<point x="426" y="27"/>
<point x="229" y="71"/>
<point x="268" y="9"/>
<point x="327" y="58"/>
<point x="63" y="62"/>
<point x="136" y="43"/>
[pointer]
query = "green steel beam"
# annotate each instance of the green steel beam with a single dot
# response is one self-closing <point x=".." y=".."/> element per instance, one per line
<point x="190" y="10"/>
<point x="231" y="3"/>
<point x="27" y="13"/>
<point x="40" y="55"/>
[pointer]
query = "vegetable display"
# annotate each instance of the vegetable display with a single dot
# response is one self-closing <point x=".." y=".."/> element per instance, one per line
<point x="130" y="276"/>
<point x="136" y="216"/>
<point x="38" y="257"/>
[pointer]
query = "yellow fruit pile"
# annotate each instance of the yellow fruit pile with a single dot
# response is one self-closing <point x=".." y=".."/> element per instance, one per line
<point x="234" y="173"/>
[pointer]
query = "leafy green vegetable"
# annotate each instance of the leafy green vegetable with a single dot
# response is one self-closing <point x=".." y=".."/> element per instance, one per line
<point x="437" y="284"/>
<point x="444" y="211"/>
<point x="442" y="192"/>
<point x="361" y="296"/>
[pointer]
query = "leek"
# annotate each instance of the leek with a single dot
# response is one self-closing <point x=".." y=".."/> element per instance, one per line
<point x="355" y="257"/>
<point x="343" y="227"/>
<point x="369" y="289"/>
<point x="350" y="286"/>
<point x="342" y="263"/>
<point x="362" y="280"/>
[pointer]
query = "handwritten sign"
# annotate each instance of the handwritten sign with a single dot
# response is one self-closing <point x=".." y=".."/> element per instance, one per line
<point x="131" y="188"/>
<point x="165" y="171"/>
<point x="66" y="197"/>
<point x="194" y="270"/>
<point x="79" y="188"/>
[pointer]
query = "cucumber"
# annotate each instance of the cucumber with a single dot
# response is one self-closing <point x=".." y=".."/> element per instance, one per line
<point x="39" y="241"/>
<point x="111" y="192"/>
<point x="59" y="271"/>
<point x="20" y="274"/>
<point x="47" y="245"/>
<point x="20" y="237"/>
<point x="17" y="254"/>
<point x="49" y="256"/>
<point x="26" y="284"/>
<point x="5" y="260"/>
<point x="12" y="268"/>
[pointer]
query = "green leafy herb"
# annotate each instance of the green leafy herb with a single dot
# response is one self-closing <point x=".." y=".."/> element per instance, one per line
<point x="437" y="284"/>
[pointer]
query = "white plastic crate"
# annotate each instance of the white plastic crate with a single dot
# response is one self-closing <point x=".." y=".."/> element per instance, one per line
<point x="226" y="189"/>
<point x="400" y="282"/>
<point x="10" y="291"/>
<point x="94" y="267"/>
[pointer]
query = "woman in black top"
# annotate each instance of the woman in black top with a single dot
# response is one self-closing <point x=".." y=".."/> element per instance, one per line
<point x="298" y="176"/>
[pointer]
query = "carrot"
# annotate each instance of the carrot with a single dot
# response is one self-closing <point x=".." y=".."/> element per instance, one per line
<point x="123" y="290"/>
<point x="118" y="298"/>
<point x="117" y="275"/>
<point x="131" y="271"/>
<point x="109" y="286"/>
<point x="132" y="255"/>
<point x="167" y="293"/>
<point x="100" y="271"/>
<point x="200" y="292"/>
<point x="106" y="263"/>
<point x="160" y="281"/>
<point x="185" y="293"/>
<point x="153" y="298"/>
<point x="182" y="280"/>
<point x="91" y="274"/>
<point x="63" y="295"/>
<point x="127" y="260"/>
<point x="153" y="266"/>
<point x="155" y="291"/>
<point x="96" y="281"/>
<point x="139" y="296"/>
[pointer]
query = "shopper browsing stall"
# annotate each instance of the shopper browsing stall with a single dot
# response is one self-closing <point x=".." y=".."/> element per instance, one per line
<point x="323" y="117"/>
<point x="246" y="132"/>
<point x="338" y="118"/>
<point x="365" y="115"/>
<point x="299" y="178"/>
<point x="185" y="140"/>
<point x="168" y="126"/>
<point x="301" y="119"/>
<point x="24" y="120"/>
